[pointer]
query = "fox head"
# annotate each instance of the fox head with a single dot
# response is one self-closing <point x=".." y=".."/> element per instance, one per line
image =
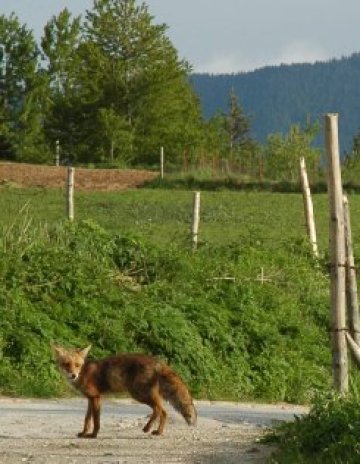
<point x="70" y="362"/>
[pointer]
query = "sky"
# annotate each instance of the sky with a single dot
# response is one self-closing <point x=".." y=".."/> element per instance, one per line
<point x="231" y="36"/>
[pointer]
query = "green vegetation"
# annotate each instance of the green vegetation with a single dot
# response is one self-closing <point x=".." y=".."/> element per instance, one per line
<point x="243" y="317"/>
<point x="329" y="434"/>
<point x="123" y="277"/>
<point x="230" y="339"/>
<point x="110" y="87"/>
<point x="112" y="90"/>
<point x="165" y="216"/>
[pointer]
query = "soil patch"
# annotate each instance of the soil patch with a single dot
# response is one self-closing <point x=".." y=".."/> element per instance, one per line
<point x="30" y="175"/>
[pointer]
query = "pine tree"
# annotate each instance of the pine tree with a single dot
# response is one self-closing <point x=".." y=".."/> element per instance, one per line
<point x="237" y="124"/>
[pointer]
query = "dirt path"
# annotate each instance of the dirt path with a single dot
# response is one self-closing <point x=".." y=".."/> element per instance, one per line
<point x="45" y="432"/>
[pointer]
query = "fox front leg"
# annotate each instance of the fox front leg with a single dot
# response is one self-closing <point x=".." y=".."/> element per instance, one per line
<point x="95" y="403"/>
<point x="88" y="421"/>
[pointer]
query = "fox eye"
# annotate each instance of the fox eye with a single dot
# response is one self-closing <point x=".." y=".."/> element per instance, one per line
<point x="77" y="365"/>
<point x="66" y="365"/>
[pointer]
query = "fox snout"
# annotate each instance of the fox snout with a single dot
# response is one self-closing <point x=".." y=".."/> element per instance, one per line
<point x="71" y="375"/>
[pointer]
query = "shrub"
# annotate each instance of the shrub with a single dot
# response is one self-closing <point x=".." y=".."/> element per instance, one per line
<point x="236" y="338"/>
<point x="330" y="434"/>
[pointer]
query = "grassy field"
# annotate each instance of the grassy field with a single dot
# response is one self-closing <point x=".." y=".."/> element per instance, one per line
<point x="165" y="216"/>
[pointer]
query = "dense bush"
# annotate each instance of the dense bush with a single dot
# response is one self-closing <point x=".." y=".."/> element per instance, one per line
<point x="329" y="434"/>
<point x="207" y="313"/>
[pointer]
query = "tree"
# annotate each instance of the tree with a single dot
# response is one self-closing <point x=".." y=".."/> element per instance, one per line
<point x="110" y="89"/>
<point x="18" y="84"/>
<point x="282" y="153"/>
<point x="116" y="140"/>
<point x="351" y="168"/>
<point x="60" y="43"/>
<point x="242" y="149"/>
<point x="30" y="142"/>
<point x="128" y="64"/>
<point x="237" y="124"/>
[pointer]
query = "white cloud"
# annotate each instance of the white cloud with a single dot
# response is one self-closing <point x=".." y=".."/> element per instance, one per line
<point x="301" y="51"/>
<point x="298" y="51"/>
<point x="228" y="63"/>
<point x="219" y="64"/>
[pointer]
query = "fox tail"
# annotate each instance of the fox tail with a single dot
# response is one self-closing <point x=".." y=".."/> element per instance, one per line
<point x="174" y="390"/>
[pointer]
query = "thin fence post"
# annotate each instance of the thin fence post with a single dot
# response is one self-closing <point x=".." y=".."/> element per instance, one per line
<point x="351" y="284"/>
<point x="337" y="253"/>
<point x="57" y="153"/>
<point x="70" y="193"/>
<point x="195" y="220"/>
<point x="161" y="162"/>
<point x="308" y="208"/>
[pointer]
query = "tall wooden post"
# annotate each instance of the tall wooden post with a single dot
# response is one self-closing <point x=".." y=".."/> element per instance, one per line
<point x="308" y="208"/>
<point x="337" y="253"/>
<point x="351" y="284"/>
<point x="161" y="162"/>
<point x="70" y="193"/>
<point x="57" y="153"/>
<point x="195" y="220"/>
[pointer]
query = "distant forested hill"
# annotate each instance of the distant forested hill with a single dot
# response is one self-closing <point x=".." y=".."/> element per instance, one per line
<point x="278" y="96"/>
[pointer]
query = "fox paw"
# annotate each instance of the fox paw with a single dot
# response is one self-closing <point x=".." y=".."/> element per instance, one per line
<point x="86" y="435"/>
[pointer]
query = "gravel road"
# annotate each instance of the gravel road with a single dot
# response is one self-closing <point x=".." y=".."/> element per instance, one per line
<point x="44" y="431"/>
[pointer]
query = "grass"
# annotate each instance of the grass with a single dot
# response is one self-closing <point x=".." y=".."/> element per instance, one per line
<point x="165" y="216"/>
<point x="240" y="234"/>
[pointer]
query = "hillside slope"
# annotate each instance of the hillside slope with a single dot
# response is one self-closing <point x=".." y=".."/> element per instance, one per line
<point x="276" y="97"/>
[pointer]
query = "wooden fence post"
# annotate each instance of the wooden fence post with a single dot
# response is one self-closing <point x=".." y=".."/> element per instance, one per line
<point x="70" y="193"/>
<point x="57" y="153"/>
<point x="351" y="284"/>
<point x="308" y="208"/>
<point x="195" y="220"/>
<point x="337" y="253"/>
<point x="161" y="162"/>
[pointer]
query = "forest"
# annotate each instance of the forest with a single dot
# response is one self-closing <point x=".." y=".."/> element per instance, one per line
<point x="278" y="96"/>
<point x="110" y="89"/>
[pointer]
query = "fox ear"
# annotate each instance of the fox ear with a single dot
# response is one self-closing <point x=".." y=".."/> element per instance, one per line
<point x="85" y="351"/>
<point x="57" y="350"/>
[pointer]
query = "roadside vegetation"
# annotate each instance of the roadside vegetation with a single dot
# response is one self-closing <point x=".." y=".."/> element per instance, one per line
<point x="330" y="433"/>
<point x="231" y="339"/>
<point x="243" y="317"/>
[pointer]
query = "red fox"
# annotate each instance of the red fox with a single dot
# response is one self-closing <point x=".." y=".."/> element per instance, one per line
<point x="147" y="379"/>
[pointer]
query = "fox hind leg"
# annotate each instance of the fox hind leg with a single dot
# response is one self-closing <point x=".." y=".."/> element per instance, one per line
<point x="162" y="421"/>
<point x="158" y="412"/>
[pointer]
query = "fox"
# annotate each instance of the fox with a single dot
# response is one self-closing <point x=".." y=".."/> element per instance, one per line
<point x="147" y="380"/>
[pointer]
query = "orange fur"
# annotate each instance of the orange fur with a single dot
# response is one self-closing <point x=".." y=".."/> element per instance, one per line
<point x="147" y="380"/>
